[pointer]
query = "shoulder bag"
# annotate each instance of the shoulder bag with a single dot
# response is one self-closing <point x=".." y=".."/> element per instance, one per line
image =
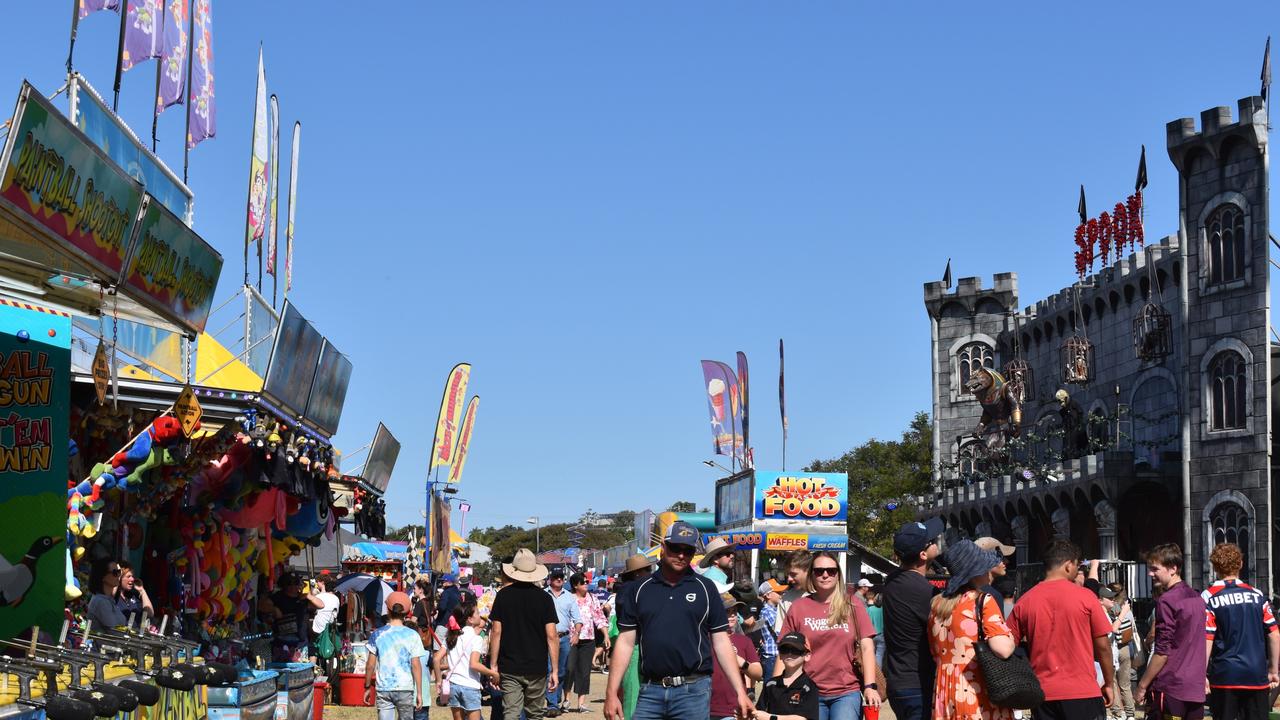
<point x="857" y="652"/>
<point x="1011" y="682"/>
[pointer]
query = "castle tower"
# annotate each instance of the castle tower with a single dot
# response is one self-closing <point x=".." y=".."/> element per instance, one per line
<point x="1226" y="380"/>
<point x="967" y="327"/>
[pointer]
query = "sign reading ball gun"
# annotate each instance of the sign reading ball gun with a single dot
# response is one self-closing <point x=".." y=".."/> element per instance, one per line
<point x="802" y="497"/>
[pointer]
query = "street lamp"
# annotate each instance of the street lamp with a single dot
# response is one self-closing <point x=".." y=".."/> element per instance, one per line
<point x="536" y="522"/>
<point x="713" y="464"/>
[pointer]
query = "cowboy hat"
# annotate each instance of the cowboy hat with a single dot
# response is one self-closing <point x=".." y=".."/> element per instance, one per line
<point x="524" y="567"/>
<point x="990" y="543"/>
<point x="718" y="546"/>
<point x="636" y="563"/>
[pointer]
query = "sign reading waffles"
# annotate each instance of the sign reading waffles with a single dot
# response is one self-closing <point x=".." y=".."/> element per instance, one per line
<point x="808" y="497"/>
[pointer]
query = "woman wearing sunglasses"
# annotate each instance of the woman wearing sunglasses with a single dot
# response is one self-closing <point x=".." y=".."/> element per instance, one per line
<point x="104" y="579"/>
<point x="841" y="640"/>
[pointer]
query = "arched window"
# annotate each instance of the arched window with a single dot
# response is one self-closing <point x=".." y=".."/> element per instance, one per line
<point x="1227" y="385"/>
<point x="1229" y="523"/>
<point x="971" y="357"/>
<point x="1225" y="231"/>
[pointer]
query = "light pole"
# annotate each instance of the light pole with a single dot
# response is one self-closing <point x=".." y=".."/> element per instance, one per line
<point x="536" y="522"/>
<point x="713" y="464"/>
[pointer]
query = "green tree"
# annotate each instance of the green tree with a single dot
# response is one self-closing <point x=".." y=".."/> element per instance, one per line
<point x="884" y="479"/>
<point x="683" y="506"/>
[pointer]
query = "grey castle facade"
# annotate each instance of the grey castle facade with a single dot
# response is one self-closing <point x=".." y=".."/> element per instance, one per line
<point x="1180" y="444"/>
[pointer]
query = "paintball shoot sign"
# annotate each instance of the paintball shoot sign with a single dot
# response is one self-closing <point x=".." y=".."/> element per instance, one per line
<point x="63" y="184"/>
<point x="808" y="498"/>
<point x="35" y="416"/>
<point x="173" y="270"/>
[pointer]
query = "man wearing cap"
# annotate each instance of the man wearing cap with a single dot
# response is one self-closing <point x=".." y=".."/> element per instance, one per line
<point x="999" y="571"/>
<point x="393" y="673"/>
<point x="568" y="627"/>
<point x="770" y="594"/>
<point x="679" y="620"/>
<point x="717" y="563"/>
<point x="908" y="666"/>
<point x="523" y="642"/>
<point x="864" y="587"/>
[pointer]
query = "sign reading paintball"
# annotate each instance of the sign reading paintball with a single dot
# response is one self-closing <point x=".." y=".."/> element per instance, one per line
<point x="66" y="186"/>
<point x="35" y="410"/>
<point x="173" y="270"/>
<point x="802" y="497"/>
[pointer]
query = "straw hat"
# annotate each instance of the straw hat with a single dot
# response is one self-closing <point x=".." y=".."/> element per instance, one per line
<point x="524" y="567"/>
<point x="636" y="563"/>
<point x="718" y="546"/>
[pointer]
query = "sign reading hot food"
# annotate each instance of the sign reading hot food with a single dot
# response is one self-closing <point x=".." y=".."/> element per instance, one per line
<point x="802" y="497"/>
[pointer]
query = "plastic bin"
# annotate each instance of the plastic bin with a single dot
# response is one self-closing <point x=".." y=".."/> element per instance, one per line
<point x="351" y="690"/>
<point x="317" y="703"/>
<point x="252" y="697"/>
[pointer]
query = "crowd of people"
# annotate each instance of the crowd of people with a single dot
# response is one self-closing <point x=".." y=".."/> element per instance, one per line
<point x="683" y="641"/>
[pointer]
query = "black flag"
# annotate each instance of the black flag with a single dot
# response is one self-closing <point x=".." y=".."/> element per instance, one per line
<point x="946" y="275"/>
<point x="1266" y="69"/>
<point x="1084" y="214"/>
<point x="1141" y="182"/>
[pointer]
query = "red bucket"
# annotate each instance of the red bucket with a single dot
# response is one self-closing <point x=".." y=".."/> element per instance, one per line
<point x="351" y="689"/>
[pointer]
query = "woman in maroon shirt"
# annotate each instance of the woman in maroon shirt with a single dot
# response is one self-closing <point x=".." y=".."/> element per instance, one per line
<point x="841" y="636"/>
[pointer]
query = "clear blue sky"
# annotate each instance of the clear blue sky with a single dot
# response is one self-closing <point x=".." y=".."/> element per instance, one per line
<point x="585" y="199"/>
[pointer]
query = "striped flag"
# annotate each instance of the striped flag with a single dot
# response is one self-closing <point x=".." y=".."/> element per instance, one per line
<point x="201" y="123"/>
<point x="173" y="55"/>
<point x="141" y="32"/>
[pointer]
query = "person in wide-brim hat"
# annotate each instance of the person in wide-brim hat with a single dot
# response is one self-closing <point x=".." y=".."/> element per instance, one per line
<point x="636" y="566"/>
<point x="966" y="561"/>
<point x="715" y="548"/>
<point x="524" y="567"/>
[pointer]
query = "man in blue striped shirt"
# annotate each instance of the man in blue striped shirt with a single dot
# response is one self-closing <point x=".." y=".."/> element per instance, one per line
<point x="1243" y="641"/>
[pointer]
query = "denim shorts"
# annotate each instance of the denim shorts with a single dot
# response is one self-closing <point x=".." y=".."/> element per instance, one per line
<point x="468" y="699"/>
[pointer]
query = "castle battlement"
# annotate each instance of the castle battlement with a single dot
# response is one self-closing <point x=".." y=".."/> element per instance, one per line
<point x="1132" y="268"/>
<point x="969" y="291"/>
<point x="1216" y="121"/>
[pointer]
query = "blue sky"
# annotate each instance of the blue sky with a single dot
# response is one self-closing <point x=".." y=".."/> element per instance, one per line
<point x="585" y="199"/>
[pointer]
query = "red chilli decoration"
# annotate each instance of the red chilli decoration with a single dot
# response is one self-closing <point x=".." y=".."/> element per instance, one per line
<point x="1104" y="236"/>
<point x="1135" y="219"/>
<point x="1080" y="256"/>
<point x="1120" y="218"/>
<point x="1091" y="231"/>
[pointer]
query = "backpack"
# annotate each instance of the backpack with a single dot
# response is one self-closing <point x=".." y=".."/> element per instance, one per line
<point x="327" y="642"/>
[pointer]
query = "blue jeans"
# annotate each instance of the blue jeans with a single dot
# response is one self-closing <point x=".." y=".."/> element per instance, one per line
<point x="840" y="707"/>
<point x="908" y="704"/>
<point x="554" y="696"/>
<point x="691" y="701"/>
<point x="395" y="705"/>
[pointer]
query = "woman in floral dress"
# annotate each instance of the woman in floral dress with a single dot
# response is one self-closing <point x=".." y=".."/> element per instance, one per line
<point x="959" y="690"/>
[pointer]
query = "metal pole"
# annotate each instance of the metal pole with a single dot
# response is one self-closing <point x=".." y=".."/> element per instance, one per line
<point x="124" y="18"/>
<point x="186" y="132"/>
<point x="75" y="23"/>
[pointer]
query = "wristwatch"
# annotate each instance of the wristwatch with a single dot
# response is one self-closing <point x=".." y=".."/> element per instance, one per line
<point x="773" y="717"/>
<point x="871" y="686"/>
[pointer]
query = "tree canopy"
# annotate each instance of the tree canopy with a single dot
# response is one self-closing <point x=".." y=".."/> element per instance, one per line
<point x="885" y="476"/>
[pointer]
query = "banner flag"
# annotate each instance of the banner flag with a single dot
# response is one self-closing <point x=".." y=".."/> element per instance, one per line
<point x="441" y="547"/>
<point x="141" y="32"/>
<point x="87" y="7"/>
<point x="782" y="390"/>
<point x="200" y="114"/>
<point x="293" y="205"/>
<point x="464" y="440"/>
<point x="173" y="55"/>
<point x="724" y="405"/>
<point x="745" y="391"/>
<point x="735" y="417"/>
<point x="271" y="233"/>
<point x="259" y="169"/>
<point x="455" y="392"/>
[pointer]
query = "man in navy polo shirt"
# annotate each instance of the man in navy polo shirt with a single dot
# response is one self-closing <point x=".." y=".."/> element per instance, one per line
<point x="679" y="620"/>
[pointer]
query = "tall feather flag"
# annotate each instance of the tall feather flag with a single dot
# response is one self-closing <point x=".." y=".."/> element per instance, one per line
<point x="201" y="118"/>
<point x="455" y="393"/>
<point x="141" y="32"/>
<point x="272" y="225"/>
<point x="782" y="401"/>
<point x="259" y="172"/>
<point x="88" y="7"/>
<point x="293" y="206"/>
<point x="464" y="440"/>
<point x="745" y="392"/>
<point x="173" y="55"/>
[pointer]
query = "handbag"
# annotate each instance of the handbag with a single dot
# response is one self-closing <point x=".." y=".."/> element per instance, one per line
<point x="1010" y="681"/>
<point x="327" y="643"/>
<point x="882" y="684"/>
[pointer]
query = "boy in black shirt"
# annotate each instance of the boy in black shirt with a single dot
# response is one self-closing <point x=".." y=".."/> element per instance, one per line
<point x="791" y="695"/>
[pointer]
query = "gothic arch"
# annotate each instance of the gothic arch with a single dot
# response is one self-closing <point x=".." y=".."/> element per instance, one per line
<point x="1206" y="362"/>
<point x="958" y="393"/>
<point x="1148" y="405"/>
<point x="1207" y="517"/>
<point x="1214" y="203"/>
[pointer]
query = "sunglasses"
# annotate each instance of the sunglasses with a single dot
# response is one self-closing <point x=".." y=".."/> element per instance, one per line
<point x="830" y="571"/>
<point x="114" y="571"/>
<point x="680" y="549"/>
<point x="790" y="652"/>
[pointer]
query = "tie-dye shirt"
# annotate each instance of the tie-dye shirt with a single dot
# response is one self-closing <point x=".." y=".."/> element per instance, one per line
<point x="396" y="646"/>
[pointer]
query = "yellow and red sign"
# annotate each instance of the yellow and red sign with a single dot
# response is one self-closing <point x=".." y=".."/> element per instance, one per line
<point x="807" y="497"/>
<point x="450" y="418"/>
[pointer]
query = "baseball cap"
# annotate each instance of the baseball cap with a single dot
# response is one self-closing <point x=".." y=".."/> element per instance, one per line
<point x="448" y="577"/>
<point x="864" y="583"/>
<point x="794" y="640"/>
<point x="913" y="537"/>
<point x="990" y="543"/>
<point x="1106" y="592"/>
<point x="398" y="599"/>
<point x="681" y="533"/>
<point x="771" y="585"/>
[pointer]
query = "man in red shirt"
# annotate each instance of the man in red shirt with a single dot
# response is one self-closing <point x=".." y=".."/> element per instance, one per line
<point x="1066" y="630"/>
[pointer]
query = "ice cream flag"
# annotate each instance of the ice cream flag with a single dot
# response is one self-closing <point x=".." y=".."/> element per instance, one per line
<point x="201" y="123"/>
<point x="722" y="401"/>
<point x="141" y="32"/>
<point x="173" y="55"/>
<point x="259" y="166"/>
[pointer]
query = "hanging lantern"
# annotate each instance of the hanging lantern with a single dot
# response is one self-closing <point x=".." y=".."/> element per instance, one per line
<point x="1152" y="333"/>
<point x="1077" y="360"/>
<point x="1021" y="379"/>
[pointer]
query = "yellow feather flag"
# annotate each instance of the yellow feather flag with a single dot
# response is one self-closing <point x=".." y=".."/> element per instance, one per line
<point x="464" y="440"/>
<point x="447" y="423"/>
